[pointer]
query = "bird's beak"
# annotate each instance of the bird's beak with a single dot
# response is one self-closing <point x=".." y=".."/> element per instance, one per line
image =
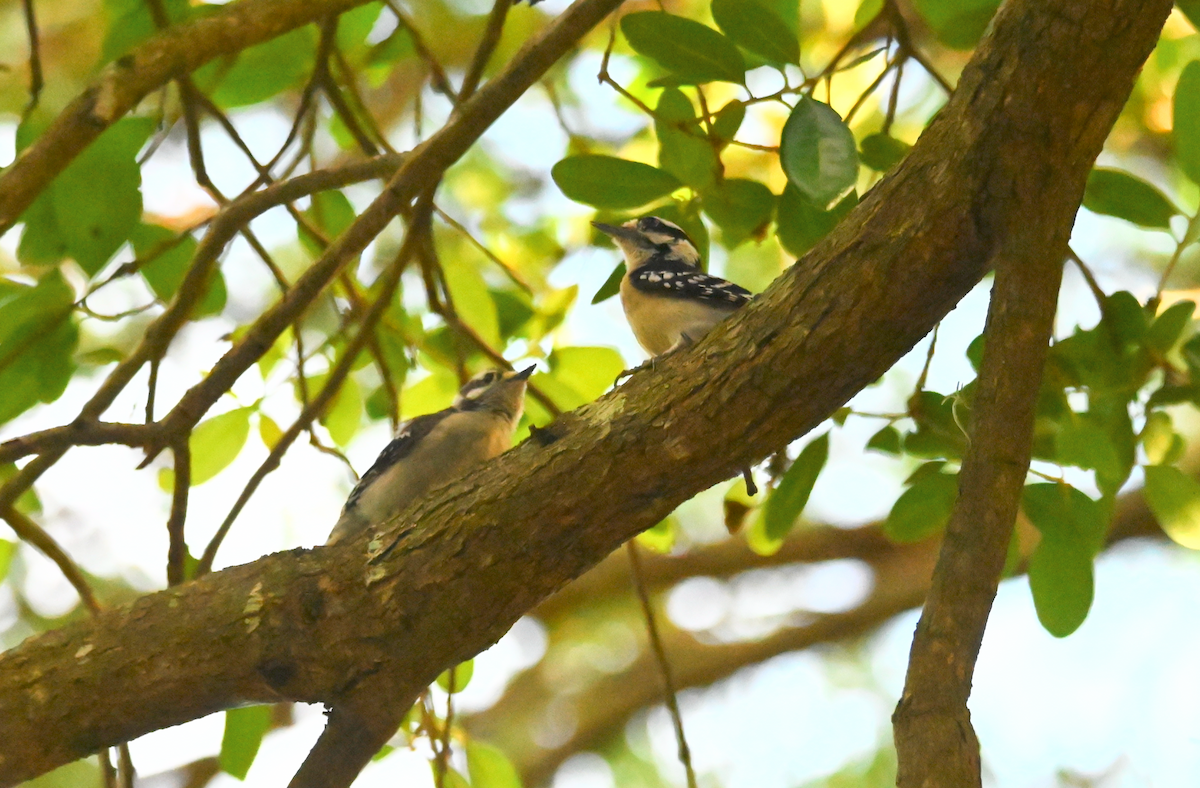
<point x="525" y="373"/>
<point x="616" y="231"/>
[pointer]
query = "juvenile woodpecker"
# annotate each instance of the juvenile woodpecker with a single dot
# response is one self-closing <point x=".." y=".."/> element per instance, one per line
<point x="436" y="448"/>
<point x="668" y="300"/>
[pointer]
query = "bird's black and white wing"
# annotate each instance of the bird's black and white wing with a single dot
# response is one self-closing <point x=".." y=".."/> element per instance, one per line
<point x="410" y="434"/>
<point x="685" y="282"/>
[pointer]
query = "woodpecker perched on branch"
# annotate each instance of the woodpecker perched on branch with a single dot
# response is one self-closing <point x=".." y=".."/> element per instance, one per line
<point x="432" y="450"/>
<point x="669" y="302"/>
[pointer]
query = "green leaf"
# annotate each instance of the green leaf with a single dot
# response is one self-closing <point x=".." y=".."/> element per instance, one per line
<point x="490" y="767"/>
<point x="800" y="224"/>
<point x="727" y="121"/>
<point x="1060" y="511"/>
<point x="818" y="153"/>
<point x="214" y="444"/>
<point x="609" y="182"/>
<point x="958" y="23"/>
<point x="89" y="210"/>
<point x="1084" y="443"/>
<point x="683" y="149"/>
<point x="463" y="672"/>
<point x="38" y="336"/>
<point x="881" y="152"/>
<point x="7" y="551"/>
<point x="1125" y="317"/>
<point x="262" y="71"/>
<point x="579" y="374"/>
<point x="785" y="505"/>
<point x="1159" y="439"/>
<point x="742" y="208"/>
<point x="244" y="731"/>
<point x="1186" y="129"/>
<point x="1119" y="194"/>
<point x="1168" y="327"/>
<point x="887" y="440"/>
<point x="660" y="538"/>
<point x="1190" y="9"/>
<point x="1060" y="577"/>
<point x="429" y="395"/>
<point x="923" y="509"/>
<point x="170" y="257"/>
<point x="758" y="29"/>
<point x="331" y="213"/>
<point x="343" y="416"/>
<point x="1175" y="500"/>
<point x="472" y="301"/>
<point x="269" y="431"/>
<point x="688" y="49"/>
<point x="611" y="286"/>
<point x="130" y="23"/>
<point x="28" y="502"/>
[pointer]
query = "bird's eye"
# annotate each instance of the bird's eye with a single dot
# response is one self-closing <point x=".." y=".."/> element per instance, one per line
<point x="650" y="224"/>
<point x="489" y="377"/>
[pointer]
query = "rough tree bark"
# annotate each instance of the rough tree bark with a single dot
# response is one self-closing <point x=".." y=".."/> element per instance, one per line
<point x="334" y="624"/>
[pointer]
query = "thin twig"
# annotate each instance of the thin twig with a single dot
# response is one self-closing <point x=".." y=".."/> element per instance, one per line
<point x="29" y="531"/>
<point x="664" y="667"/>
<point x="443" y="756"/>
<point x="512" y="272"/>
<point x="35" y="58"/>
<point x="487" y="45"/>
<point x="177" y="546"/>
<point x="1097" y="291"/>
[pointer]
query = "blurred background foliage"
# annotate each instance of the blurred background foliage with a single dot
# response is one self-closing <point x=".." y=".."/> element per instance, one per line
<point x="753" y="124"/>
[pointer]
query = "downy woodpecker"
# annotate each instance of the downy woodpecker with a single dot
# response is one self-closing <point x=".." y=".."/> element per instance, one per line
<point x="668" y="300"/>
<point x="432" y="450"/>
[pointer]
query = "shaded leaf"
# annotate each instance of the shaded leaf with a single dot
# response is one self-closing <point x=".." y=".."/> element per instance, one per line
<point x="688" y="49"/>
<point x="757" y="28"/>
<point x="923" y="509"/>
<point x="165" y="271"/>
<point x="611" y="286"/>
<point x="1119" y="194"/>
<point x="741" y="208"/>
<point x="1060" y="577"/>
<point x="244" y="731"/>
<point x="958" y="23"/>
<point x="683" y="149"/>
<point x="609" y="182"/>
<point x="1186" y="126"/>
<point x="38" y="336"/>
<point x="344" y="414"/>
<point x="800" y="224"/>
<point x="472" y="301"/>
<point x="881" y="152"/>
<point x="261" y="71"/>
<point x="887" y="440"/>
<point x="1060" y="511"/>
<point x="818" y="153"/>
<point x="727" y="121"/>
<point x="1168" y="327"/>
<point x="784" y="506"/>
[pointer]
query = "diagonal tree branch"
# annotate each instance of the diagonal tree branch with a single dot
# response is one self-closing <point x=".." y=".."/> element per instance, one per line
<point x="121" y="85"/>
<point x="386" y="613"/>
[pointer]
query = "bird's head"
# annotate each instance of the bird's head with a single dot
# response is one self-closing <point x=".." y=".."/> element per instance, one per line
<point x="496" y="390"/>
<point x="651" y="238"/>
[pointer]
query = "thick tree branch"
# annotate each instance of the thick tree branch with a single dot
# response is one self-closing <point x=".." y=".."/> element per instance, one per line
<point x="935" y="742"/>
<point x="451" y="575"/>
<point x="121" y="85"/>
